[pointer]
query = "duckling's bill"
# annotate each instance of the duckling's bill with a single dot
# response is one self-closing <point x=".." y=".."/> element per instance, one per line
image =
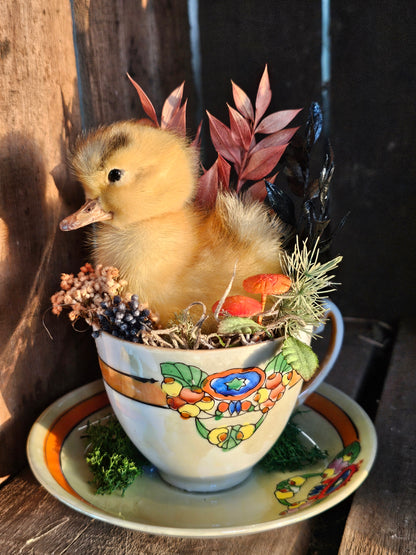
<point x="89" y="213"/>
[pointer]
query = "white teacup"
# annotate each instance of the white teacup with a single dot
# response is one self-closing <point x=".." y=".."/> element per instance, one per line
<point x="204" y="418"/>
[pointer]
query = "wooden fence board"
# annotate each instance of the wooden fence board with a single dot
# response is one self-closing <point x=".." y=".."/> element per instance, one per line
<point x="373" y="135"/>
<point x="148" y="39"/>
<point x="40" y="114"/>
<point x="40" y="118"/>
<point x="238" y="39"/>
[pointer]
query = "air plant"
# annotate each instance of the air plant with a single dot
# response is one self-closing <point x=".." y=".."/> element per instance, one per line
<point x="312" y="282"/>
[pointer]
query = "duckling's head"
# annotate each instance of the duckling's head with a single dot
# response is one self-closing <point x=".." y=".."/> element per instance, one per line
<point x="131" y="172"/>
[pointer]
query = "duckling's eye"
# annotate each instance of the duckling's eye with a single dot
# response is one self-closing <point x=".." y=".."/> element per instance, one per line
<point x="114" y="175"/>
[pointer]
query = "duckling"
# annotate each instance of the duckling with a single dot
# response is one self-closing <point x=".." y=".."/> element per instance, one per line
<point x="139" y="183"/>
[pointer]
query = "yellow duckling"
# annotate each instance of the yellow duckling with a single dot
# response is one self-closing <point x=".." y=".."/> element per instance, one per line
<point x="139" y="182"/>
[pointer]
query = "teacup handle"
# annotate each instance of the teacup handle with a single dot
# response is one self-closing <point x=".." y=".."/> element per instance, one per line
<point x="335" y="344"/>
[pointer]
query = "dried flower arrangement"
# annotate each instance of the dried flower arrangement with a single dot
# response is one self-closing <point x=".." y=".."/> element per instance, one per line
<point x="248" y="152"/>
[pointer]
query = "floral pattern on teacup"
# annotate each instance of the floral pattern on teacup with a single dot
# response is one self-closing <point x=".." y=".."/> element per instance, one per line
<point x="227" y="394"/>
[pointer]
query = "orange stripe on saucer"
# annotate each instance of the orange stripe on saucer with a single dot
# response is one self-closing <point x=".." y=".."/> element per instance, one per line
<point x="60" y="430"/>
<point x="335" y="415"/>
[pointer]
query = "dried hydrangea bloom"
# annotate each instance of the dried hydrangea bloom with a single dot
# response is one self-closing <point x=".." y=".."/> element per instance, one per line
<point x="84" y="293"/>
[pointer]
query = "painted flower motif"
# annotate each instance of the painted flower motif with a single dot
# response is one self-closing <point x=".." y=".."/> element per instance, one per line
<point x="235" y="384"/>
<point x="336" y="475"/>
<point x="338" y="465"/>
<point x="218" y="436"/>
<point x="246" y="431"/>
<point x="234" y="392"/>
<point x="333" y="484"/>
<point x="228" y="437"/>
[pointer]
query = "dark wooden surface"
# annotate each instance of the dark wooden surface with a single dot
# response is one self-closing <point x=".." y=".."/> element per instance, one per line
<point x="383" y="516"/>
<point x="378" y="519"/>
<point x="373" y="133"/>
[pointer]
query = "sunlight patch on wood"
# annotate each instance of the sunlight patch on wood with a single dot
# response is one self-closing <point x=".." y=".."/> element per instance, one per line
<point x="4" y="240"/>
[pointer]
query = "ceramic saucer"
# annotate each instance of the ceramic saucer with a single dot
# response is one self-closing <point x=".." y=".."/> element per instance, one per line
<point x="266" y="500"/>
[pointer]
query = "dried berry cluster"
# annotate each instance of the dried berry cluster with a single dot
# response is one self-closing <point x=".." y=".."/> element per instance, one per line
<point x="84" y="293"/>
<point x="124" y="319"/>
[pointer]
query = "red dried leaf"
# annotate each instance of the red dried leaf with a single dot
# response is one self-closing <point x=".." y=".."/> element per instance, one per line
<point x="207" y="191"/>
<point x="178" y="121"/>
<point x="223" y="141"/>
<point x="276" y="139"/>
<point x="146" y="103"/>
<point x="262" y="162"/>
<point x="171" y="105"/>
<point x="264" y="96"/>
<point x="257" y="191"/>
<point x="242" y="102"/>
<point x="240" y="128"/>
<point x="224" y="170"/>
<point x="197" y="140"/>
<point x="272" y="178"/>
<point x="276" y="121"/>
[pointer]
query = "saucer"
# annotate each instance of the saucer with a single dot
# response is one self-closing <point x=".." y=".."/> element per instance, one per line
<point x="266" y="500"/>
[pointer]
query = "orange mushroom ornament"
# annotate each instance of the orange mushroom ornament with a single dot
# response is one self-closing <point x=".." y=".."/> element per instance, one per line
<point x="238" y="305"/>
<point x="267" y="284"/>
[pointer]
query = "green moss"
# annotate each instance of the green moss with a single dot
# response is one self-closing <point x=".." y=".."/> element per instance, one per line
<point x="290" y="451"/>
<point x="111" y="457"/>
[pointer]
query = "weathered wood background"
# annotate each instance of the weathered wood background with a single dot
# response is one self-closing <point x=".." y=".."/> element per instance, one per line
<point x="52" y="85"/>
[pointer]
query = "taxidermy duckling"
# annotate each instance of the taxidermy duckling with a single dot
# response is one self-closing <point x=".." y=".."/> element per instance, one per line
<point x="139" y="183"/>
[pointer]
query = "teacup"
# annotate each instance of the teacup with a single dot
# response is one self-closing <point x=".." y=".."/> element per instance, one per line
<point x="204" y="418"/>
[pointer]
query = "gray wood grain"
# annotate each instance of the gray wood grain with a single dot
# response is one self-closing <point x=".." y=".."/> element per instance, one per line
<point x="383" y="515"/>
<point x="114" y="37"/>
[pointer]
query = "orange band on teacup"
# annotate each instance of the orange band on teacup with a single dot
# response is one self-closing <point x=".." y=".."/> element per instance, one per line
<point x="140" y="390"/>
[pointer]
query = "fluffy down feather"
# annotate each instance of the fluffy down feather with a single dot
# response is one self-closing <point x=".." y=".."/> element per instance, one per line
<point x="170" y="252"/>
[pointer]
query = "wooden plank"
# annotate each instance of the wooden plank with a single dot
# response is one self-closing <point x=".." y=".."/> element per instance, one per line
<point x="373" y="114"/>
<point x="361" y="345"/>
<point x="40" y="115"/>
<point x="149" y="40"/>
<point x="238" y="39"/>
<point x="383" y="515"/>
<point x="34" y="522"/>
